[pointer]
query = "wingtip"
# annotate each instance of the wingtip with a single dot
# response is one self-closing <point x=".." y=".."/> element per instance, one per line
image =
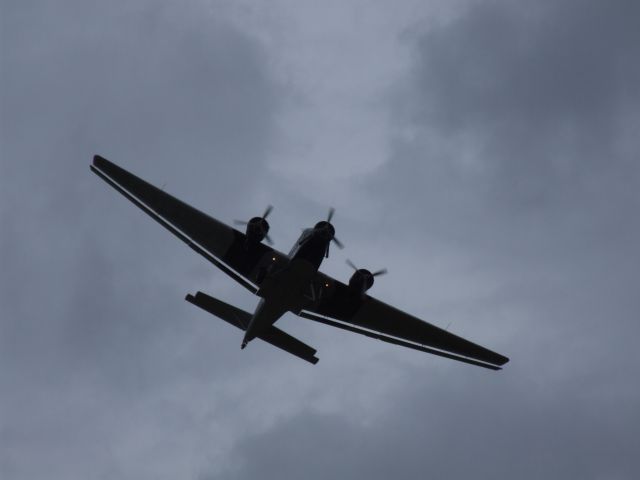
<point x="97" y="159"/>
<point x="503" y="361"/>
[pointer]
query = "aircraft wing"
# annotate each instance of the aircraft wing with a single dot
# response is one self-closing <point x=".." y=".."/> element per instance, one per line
<point x="333" y="300"/>
<point x="221" y="244"/>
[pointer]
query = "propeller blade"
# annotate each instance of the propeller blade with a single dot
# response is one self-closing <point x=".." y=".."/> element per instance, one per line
<point x="338" y="243"/>
<point x="240" y="222"/>
<point x="379" y="272"/>
<point x="326" y="252"/>
<point x="331" y="212"/>
<point x="267" y="211"/>
<point x="268" y="239"/>
<point x="351" y="264"/>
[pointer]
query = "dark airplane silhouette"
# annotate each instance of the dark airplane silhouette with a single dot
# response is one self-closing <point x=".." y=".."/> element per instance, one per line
<point x="288" y="283"/>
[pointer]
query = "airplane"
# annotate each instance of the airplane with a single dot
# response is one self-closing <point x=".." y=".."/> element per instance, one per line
<point x="288" y="283"/>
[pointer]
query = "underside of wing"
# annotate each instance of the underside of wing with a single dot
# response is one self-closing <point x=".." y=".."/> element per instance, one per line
<point x="396" y="341"/>
<point x="369" y="315"/>
<point x="221" y="244"/>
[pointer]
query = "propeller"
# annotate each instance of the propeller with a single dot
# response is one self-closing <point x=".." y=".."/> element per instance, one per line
<point x="331" y="231"/>
<point x="260" y="223"/>
<point x="331" y="212"/>
<point x="382" y="271"/>
<point x="362" y="279"/>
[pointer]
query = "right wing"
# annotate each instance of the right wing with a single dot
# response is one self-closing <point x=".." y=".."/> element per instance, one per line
<point x="368" y="316"/>
<point x="222" y="245"/>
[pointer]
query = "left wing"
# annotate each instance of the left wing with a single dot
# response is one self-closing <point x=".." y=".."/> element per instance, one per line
<point x="364" y="314"/>
<point x="222" y="245"/>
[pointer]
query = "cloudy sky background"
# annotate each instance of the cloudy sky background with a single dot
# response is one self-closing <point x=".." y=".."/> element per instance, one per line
<point x="486" y="153"/>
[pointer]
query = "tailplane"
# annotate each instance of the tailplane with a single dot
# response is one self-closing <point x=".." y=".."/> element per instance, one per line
<point x="240" y="319"/>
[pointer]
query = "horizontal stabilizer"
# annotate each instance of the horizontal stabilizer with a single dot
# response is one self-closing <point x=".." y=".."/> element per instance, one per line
<point x="240" y="319"/>
<point x="233" y="315"/>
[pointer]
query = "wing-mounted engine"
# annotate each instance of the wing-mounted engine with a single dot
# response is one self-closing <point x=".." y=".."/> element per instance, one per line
<point x="362" y="279"/>
<point x="257" y="228"/>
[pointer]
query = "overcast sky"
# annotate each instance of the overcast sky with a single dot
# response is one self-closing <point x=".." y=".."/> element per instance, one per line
<point x="485" y="152"/>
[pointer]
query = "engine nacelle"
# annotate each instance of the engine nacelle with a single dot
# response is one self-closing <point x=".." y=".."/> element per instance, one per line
<point x="325" y="229"/>
<point x="257" y="229"/>
<point x="361" y="281"/>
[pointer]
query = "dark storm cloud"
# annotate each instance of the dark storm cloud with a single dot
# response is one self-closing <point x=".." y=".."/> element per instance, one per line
<point x="440" y="434"/>
<point x="543" y="95"/>
<point x="516" y="127"/>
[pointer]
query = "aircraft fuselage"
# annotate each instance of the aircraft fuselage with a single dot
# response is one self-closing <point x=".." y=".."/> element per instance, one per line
<point x="284" y="290"/>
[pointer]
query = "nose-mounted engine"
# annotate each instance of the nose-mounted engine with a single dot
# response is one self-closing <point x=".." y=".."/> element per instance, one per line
<point x="327" y="231"/>
<point x="257" y="228"/>
<point x="362" y="279"/>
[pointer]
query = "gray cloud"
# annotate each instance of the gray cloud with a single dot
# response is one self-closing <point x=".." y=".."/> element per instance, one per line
<point x="93" y="324"/>
<point x="514" y="165"/>
<point x="538" y="99"/>
<point x="507" y="205"/>
<point x="446" y="434"/>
